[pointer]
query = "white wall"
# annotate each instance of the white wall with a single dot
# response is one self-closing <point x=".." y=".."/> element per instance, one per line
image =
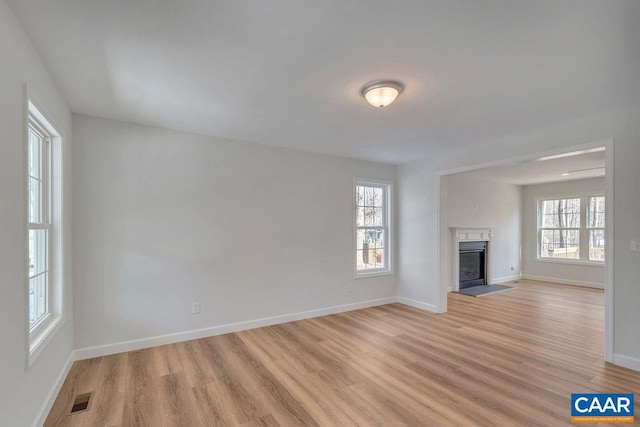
<point x="163" y="219"/>
<point x="474" y="202"/>
<point x="22" y="390"/>
<point x="418" y="199"/>
<point x="590" y="275"/>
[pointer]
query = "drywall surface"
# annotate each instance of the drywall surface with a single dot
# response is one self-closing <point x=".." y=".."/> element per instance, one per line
<point x="163" y="219"/>
<point x="23" y="390"/>
<point x="592" y="275"/>
<point x="474" y="202"/>
<point x="419" y="201"/>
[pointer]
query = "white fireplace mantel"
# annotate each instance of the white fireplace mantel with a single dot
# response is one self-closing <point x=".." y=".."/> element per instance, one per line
<point x="469" y="234"/>
<point x="472" y="234"/>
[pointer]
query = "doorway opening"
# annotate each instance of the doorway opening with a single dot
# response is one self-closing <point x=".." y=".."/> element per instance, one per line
<point x="549" y="216"/>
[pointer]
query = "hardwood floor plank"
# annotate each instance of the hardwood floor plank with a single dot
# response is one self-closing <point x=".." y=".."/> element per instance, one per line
<point x="403" y="411"/>
<point x="264" y="421"/>
<point x="267" y="389"/>
<point x="176" y="404"/>
<point x="192" y="359"/>
<point x="108" y="401"/>
<point x="237" y="397"/>
<point x="214" y="405"/>
<point x="342" y="398"/>
<point x="140" y="402"/>
<point x="167" y="359"/>
<point x="322" y="410"/>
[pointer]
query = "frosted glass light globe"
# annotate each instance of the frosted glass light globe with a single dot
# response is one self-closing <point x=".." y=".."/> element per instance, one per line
<point x="381" y="93"/>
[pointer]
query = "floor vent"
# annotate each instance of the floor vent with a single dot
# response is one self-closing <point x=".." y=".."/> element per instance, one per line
<point x="81" y="403"/>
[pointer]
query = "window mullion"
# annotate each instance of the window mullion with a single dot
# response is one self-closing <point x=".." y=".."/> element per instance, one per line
<point x="39" y="226"/>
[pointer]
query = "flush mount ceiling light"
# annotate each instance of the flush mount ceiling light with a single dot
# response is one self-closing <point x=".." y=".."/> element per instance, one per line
<point x="381" y="93"/>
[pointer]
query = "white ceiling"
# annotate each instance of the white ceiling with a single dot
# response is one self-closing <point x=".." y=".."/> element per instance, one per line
<point x="288" y="73"/>
<point x="579" y="166"/>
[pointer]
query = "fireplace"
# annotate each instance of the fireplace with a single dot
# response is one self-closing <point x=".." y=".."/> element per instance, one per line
<point x="480" y="257"/>
<point x="473" y="264"/>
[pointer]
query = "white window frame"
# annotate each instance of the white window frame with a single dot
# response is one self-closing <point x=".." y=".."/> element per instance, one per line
<point x="583" y="230"/>
<point x="386" y="228"/>
<point x="41" y="332"/>
<point x="44" y="222"/>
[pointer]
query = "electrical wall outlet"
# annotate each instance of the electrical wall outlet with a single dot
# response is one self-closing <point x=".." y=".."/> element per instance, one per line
<point x="350" y="287"/>
<point x="195" y="308"/>
<point x="635" y="245"/>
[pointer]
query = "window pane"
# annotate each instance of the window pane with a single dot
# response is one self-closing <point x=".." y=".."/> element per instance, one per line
<point x="38" y="274"/>
<point x="595" y="214"/>
<point x="562" y="213"/>
<point x="359" y="195"/>
<point x="596" y="245"/>
<point x="41" y="295"/>
<point x="546" y="243"/>
<point x="359" y="216"/>
<point x="377" y="217"/>
<point x="370" y="249"/>
<point x="37" y="252"/>
<point x="563" y="244"/>
<point x="359" y="239"/>
<point x="549" y="221"/>
<point x="549" y="214"/>
<point x="572" y="239"/>
<point x="368" y="216"/>
<point x="34" y="162"/>
<point x="34" y="165"/>
<point x="368" y="196"/>
<point x="378" y="195"/>
<point x="37" y="298"/>
<point x="379" y="250"/>
<point x="35" y="192"/>
<point x="32" y="302"/>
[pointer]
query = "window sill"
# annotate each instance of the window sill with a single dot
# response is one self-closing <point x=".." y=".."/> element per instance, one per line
<point x="571" y="262"/>
<point x="39" y="340"/>
<point x="377" y="273"/>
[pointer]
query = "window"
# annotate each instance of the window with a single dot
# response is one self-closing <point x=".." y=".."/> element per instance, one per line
<point x="595" y="224"/>
<point x="571" y="229"/>
<point x="38" y="153"/>
<point x="560" y="229"/>
<point x="43" y="157"/>
<point x="372" y="219"/>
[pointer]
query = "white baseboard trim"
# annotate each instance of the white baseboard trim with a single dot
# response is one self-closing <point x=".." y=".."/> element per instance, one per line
<point x="498" y="280"/>
<point x="51" y="397"/>
<point x="418" y="304"/>
<point x="563" y="281"/>
<point x="120" y="347"/>
<point x="626" y="361"/>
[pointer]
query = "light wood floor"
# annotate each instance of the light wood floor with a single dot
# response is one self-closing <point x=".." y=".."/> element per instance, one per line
<point x="508" y="359"/>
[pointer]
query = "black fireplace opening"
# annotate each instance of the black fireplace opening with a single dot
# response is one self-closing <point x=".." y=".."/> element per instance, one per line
<point x="473" y="264"/>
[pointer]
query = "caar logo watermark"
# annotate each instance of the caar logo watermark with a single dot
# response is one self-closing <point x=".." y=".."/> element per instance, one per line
<point x="602" y="408"/>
